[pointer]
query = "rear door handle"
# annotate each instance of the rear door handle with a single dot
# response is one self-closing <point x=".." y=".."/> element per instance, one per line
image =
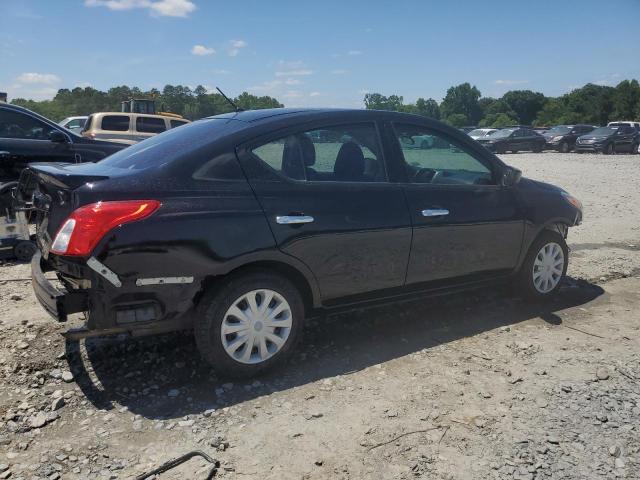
<point x="293" y="219"/>
<point x="435" y="212"/>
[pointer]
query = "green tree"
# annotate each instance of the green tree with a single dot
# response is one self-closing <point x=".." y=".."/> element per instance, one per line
<point x="525" y="103"/>
<point x="377" y="101"/>
<point x="462" y="100"/>
<point x="626" y="100"/>
<point x="428" y="108"/>
<point x="457" y="120"/>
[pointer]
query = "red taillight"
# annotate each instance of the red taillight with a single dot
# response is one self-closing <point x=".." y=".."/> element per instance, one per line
<point x="86" y="226"/>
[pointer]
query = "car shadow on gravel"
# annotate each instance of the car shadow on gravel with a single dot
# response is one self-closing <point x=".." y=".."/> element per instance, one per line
<point x="163" y="377"/>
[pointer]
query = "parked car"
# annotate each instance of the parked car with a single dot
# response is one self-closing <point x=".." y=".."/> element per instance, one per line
<point x="28" y="137"/>
<point x="563" y="137"/>
<point x="609" y="140"/>
<point x="481" y="132"/>
<point x="513" y="139"/>
<point x="619" y="123"/>
<point x="467" y="129"/>
<point x="75" y="124"/>
<point x="241" y="225"/>
<point x="128" y="128"/>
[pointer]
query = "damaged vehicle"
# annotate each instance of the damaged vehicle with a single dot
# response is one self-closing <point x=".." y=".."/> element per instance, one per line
<point x="241" y="225"/>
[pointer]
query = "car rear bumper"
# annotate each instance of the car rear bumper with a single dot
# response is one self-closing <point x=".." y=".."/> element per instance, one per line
<point x="58" y="303"/>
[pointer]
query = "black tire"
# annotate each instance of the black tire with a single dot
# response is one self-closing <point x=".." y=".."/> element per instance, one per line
<point x="564" y="147"/>
<point x="634" y="149"/>
<point x="514" y="151"/>
<point x="525" y="276"/>
<point x="24" y="250"/>
<point x="537" y="149"/>
<point x="501" y="150"/>
<point x="609" y="149"/>
<point x="211" y="311"/>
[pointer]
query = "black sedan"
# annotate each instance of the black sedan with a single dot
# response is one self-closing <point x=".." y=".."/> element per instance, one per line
<point x="609" y="140"/>
<point x="27" y="137"/>
<point x="241" y="225"/>
<point x="513" y="140"/>
<point x="563" y="137"/>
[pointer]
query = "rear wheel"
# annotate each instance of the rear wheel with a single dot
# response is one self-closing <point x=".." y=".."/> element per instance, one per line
<point x="634" y="149"/>
<point x="249" y="325"/>
<point x="545" y="266"/>
<point x="24" y="250"/>
<point x="537" y="148"/>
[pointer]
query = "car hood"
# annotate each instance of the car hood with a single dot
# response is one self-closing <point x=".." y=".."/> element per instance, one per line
<point x="529" y="184"/>
<point x="594" y="137"/>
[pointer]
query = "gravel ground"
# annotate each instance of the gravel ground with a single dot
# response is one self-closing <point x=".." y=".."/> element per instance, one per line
<point x="471" y="386"/>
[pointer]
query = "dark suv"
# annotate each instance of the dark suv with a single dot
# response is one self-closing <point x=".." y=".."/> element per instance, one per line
<point x="514" y="139"/>
<point x="241" y="225"/>
<point x="563" y="137"/>
<point x="609" y="140"/>
<point x="28" y="137"/>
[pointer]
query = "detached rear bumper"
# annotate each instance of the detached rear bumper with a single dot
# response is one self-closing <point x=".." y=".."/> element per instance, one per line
<point x="58" y="303"/>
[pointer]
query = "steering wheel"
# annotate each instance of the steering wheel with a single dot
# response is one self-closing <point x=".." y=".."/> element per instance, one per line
<point x="424" y="175"/>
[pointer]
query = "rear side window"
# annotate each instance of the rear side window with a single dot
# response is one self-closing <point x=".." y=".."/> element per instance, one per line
<point x="177" y="123"/>
<point x="348" y="153"/>
<point x="150" y="125"/>
<point x="115" y="123"/>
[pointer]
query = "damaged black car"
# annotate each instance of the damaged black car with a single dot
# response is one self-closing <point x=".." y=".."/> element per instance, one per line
<point x="240" y="226"/>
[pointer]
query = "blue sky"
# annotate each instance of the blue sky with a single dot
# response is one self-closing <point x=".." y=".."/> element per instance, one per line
<point x="320" y="53"/>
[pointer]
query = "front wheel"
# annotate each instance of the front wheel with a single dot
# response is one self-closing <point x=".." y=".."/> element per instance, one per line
<point x="249" y="325"/>
<point x="564" y="147"/>
<point x="545" y="266"/>
<point x="634" y="149"/>
<point x="609" y="149"/>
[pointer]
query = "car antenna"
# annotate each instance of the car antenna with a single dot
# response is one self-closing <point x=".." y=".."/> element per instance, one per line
<point x="235" y="107"/>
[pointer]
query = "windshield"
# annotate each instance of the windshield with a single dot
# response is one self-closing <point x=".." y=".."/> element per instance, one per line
<point x="559" y="130"/>
<point x="604" y="131"/>
<point x="175" y="144"/>
<point x="479" y="132"/>
<point x="505" y="132"/>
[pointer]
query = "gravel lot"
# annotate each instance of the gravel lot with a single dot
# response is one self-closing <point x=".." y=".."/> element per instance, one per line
<point x="471" y="386"/>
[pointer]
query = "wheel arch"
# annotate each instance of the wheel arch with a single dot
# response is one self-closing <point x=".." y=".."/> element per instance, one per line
<point x="303" y="281"/>
<point x="558" y="225"/>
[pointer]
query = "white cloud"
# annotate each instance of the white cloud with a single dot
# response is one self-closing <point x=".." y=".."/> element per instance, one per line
<point x="265" y="86"/>
<point x="295" y="73"/>
<point x="201" y="50"/>
<point x="314" y="94"/>
<point x="221" y="72"/>
<point x="510" y="82"/>
<point x="290" y="64"/>
<point x="165" y="8"/>
<point x="292" y="81"/>
<point x="363" y="91"/>
<point x="235" y="46"/>
<point x="339" y="71"/>
<point x="38" y="78"/>
<point x="354" y="52"/>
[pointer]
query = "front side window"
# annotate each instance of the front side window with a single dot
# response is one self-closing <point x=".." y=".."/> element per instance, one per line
<point x="444" y="162"/>
<point x="339" y="154"/>
<point x="150" y="125"/>
<point x="115" y="123"/>
<point x="20" y="125"/>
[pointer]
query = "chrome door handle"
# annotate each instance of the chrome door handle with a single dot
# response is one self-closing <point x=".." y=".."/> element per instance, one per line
<point x="293" y="219"/>
<point x="435" y="212"/>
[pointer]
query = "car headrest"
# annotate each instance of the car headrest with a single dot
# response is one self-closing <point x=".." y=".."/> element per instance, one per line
<point x="349" y="163"/>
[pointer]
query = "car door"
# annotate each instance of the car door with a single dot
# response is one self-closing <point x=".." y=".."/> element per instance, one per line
<point x="465" y="224"/>
<point x="327" y="198"/>
<point x="25" y="139"/>
<point x="624" y="137"/>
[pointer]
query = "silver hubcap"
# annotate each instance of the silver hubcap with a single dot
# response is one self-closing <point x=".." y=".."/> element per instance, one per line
<point x="256" y="326"/>
<point x="548" y="267"/>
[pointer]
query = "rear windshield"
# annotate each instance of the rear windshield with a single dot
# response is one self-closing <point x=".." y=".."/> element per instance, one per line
<point x="172" y="145"/>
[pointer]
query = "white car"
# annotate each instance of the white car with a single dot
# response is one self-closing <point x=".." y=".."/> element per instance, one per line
<point x="481" y="132"/>
<point x="75" y="124"/>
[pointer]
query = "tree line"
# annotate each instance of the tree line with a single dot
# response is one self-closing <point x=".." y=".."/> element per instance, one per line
<point x="190" y="103"/>
<point x="464" y="105"/>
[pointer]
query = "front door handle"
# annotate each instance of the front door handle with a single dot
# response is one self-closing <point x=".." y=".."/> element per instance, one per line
<point x="293" y="219"/>
<point x="435" y="212"/>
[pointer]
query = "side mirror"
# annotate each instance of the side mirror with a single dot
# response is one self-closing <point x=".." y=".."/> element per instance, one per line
<point x="57" y="136"/>
<point x="510" y="176"/>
